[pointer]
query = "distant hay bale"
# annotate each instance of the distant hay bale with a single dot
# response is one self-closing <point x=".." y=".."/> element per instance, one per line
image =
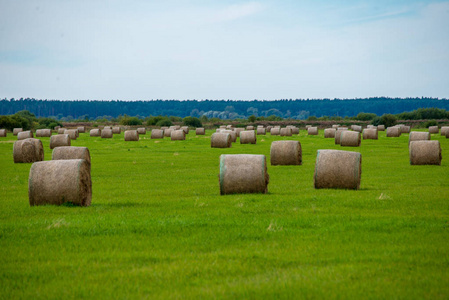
<point x="356" y="128"/>
<point x="308" y="126"/>
<point x="343" y="128"/>
<point x="418" y="136"/>
<point x="95" y="132"/>
<point x="312" y="131"/>
<point x="185" y="129"/>
<point x="405" y="129"/>
<point x="162" y="127"/>
<point x="249" y="127"/>
<point x="3" y="133"/>
<point x="77" y="133"/>
<point x="261" y="131"/>
<point x="370" y="134"/>
<point x="60" y="181"/>
<point x="243" y="173"/>
<point x="222" y="126"/>
<point x="393" y="131"/>
<point x="28" y="151"/>
<point x="175" y="127"/>
<point x="278" y="127"/>
<point x="381" y="127"/>
<point x="57" y="127"/>
<point x="444" y="129"/>
<point x="81" y="129"/>
<point x="59" y="140"/>
<point x="275" y="131"/>
<point x="38" y="132"/>
<point x="70" y="152"/>
<point x="71" y="133"/>
<point x="338" y="135"/>
<point x="142" y="130"/>
<point x="61" y="130"/>
<point x="25" y="135"/>
<point x="286" y="153"/>
<point x="106" y="133"/>
<point x="425" y="153"/>
<point x="220" y="140"/>
<point x="116" y="130"/>
<point x="295" y="130"/>
<point x="285" y="132"/>
<point x="335" y="126"/>
<point x="45" y="132"/>
<point x="200" y="131"/>
<point x="167" y="132"/>
<point x="157" y="134"/>
<point x="260" y="126"/>
<point x="371" y="127"/>
<point x="269" y="128"/>
<point x="178" y="135"/>
<point x="232" y="134"/>
<point x="107" y="127"/>
<point x="229" y="127"/>
<point x="350" y="139"/>
<point x="329" y="133"/>
<point x="433" y="129"/>
<point x="248" y="137"/>
<point x="131" y="135"/>
<point x="16" y="131"/>
<point x="336" y="169"/>
<point x="238" y="130"/>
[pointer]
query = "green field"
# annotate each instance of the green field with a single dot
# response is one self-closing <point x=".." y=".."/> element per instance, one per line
<point x="158" y="227"/>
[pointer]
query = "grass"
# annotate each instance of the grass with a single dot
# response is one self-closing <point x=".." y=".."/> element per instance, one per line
<point x="158" y="228"/>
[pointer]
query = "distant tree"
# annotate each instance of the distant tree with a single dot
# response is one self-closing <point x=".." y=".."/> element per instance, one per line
<point x="192" y="121"/>
<point x="130" y="121"/>
<point x="312" y="118"/>
<point x="387" y="119"/>
<point x="164" y="122"/>
<point x="365" y="116"/>
<point x="252" y="118"/>
<point x="151" y="121"/>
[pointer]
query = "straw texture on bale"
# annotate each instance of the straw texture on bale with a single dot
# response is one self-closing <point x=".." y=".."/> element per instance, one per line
<point x="261" y="131"/>
<point x="381" y="127"/>
<point x="238" y="130"/>
<point x="336" y="169"/>
<point x="418" y="136"/>
<point x="248" y="137"/>
<point x="107" y="127"/>
<point x="95" y="132"/>
<point x="232" y="134"/>
<point x="243" y="173"/>
<point x="178" y="135"/>
<point x="329" y="133"/>
<point x="131" y="135"/>
<point x="249" y="127"/>
<point x="393" y="131"/>
<point x="70" y="152"/>
<point x="286" y="153"/>
<point x="350" y="139"/>
<point x="167" y="132"/>
<point x="16" y="131"/>
<point x="308" y="126"/>
<point x="60" y="181"/>
<point x="434" y="129"/>
<point x="220" y="140"/>
<point x="425" y="153"/>
<point x="71" y="133"/>
<point x="200" y="131"/>
<point x="175" y="127"/>
<point x="142" y="130"/>
<point x="186" y="129"/>
<point x="312" y="131"/>
<point x="338" y="135"/>
<point x="2" y="132"/>
<point x="81" y="129"/>
<point x="356" y="128"/>
<point x="106" y="133"/>
<point x="371" y="126"/>
<point x="61" y="130"/>
<point x="444" y="130"/>
<point x="405" y="129"/>
<point x="116" y="130"/>
<point x="25" y="135"/>
<point x="229" y="127"/>
<point x="28" y="151"/>
<point x="157" y="134"/>
<point x="370" y="134"/>
<point x="285" y="132"/>
<point x="275" y="131"/>
<point x="269" y="128"/>
<point x="295" y="130"/>
<point x="43" y="132"/>
<point x="59" y="140"/>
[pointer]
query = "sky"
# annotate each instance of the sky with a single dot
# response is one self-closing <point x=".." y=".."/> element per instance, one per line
<point x="238" y="50"/>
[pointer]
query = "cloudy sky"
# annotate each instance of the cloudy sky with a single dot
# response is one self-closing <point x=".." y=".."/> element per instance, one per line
<point x="199" y="49"/>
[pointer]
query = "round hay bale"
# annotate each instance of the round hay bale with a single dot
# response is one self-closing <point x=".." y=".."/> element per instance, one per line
<point x="243" y="173"/>
<point x="338" y="135"/>
<point x="167" y="132"/>
<point x="95" y="132"/>
<point x="222" y="126"/>
<point x="57" y="127"/>
<point x="178" y="135"/>
<point x="3" y="133"/>
<point x="60" y="181"/>
<point x="418" y="136"/>
<point x="163" y="128"/>
<point x="248" y="137"/>
<point x="232" y="134"/>
<point x="238" y="130"/>
<point x="285" y="132"/>
<point x="25" y="135"/>
<point x="249" y="127"/>
<point x="269" y="128"/>
<point x="186" y="129"/>
<point x="370" y="134"/>
<point x="394" y="131"/>
<point x="336" y="169"/>
<point x="200" y="131"/>
<point x="295" y="130"/>
<point x="77" y="133"/>
<point x="278" y="127"/>
<point x="116" y="130"/>
<point x="28" y="151"/>
<point x="275" y="131"/>
<point x="157" y="134"/>
<point x="371" y="126"/>
<point x="433" y="129"/>
<point x="70" y="152"/>
<point x="443" y="130"/>
<point x="261" y="131"/>
<point x="175" y="127"/>
<point x="16" y="131"/>
<point x="286" y="153"/>
<point x="59" y="140"/>
<point x="312" y="131"/>
<point x="46" y="132"/>
<point x="81" y="129"/>
<point x="61" y="130"/>
<point x="405" y="129"/>
<point x="350" y="139"/>
<point x="106" y="133"/>
<point x="131" y="135"/>
<point x="107" y="127"/>
<point x="308" y="126"/>
<point x="329" y="133"/>
<point x="356" y="128"/>
<point x="381" y="127"/>
<point x="425" y="153"/>
<point x="229" y="127"/>
<point x="38" y="133"/>
<point x="260" y="126"/>
<point x="335" y="126"/>
<point x="220" y="140"/>
<point x="71" y="133"/>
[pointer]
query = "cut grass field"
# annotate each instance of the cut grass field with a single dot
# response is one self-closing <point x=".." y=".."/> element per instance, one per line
<point x="158" y="227"/>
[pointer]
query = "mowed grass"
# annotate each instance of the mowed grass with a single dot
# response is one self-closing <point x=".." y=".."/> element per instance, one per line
<point x="159" y="229"/>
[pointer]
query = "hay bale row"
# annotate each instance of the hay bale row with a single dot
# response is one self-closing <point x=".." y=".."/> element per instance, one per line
<point x="59" y="140"/>
<point x="350" y="139"/>
<point x="28" y="151"/>
<point x="25" y="135"/>
<point x="425" y="153"/>
<point x="131" y="135"/>
<point x="220" y="140"/>
<point x="248" y="137"/>
<point x="286" y="153"/>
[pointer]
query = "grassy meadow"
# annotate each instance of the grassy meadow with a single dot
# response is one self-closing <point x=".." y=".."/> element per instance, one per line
<point x="159" y="229"/>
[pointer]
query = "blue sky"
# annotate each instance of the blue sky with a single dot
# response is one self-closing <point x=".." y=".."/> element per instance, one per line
<point x="198" y="49"/>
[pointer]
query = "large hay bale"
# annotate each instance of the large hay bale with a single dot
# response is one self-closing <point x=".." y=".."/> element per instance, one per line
<point x="81" y="129"/>
<point x="370" y="134"/>
<point x="25" y="135"/>
<point x="285" y="132"/>
<point x="167" y="132"/>
<point x="248" y="137"/>
<point x="232" y="134"/>
<point x="95" y="132"/>
<point x="238" y="130"/>
<point x="243" y="173"/>
<point x="142" y="130"/>
<point x="3" y="133"/>
<point x="312" y="131"/>
<point x="433" y="129"/>
<point x="220" y="140"/>
<point x="16" y="131"/>
<point x="178" y="135"/>
<point x="381" y="127"/>
<point x="59" y="140"/>
<point x="157" y="134"/>
<point x="61" y="130"/>
<point x="28" y="151"/>
<point x="356" y="128"/>
<point x="418" y="136"/>
<point x="329" y="133"/>
<point x="443" y="130"/>
<point x="60" y="181"/>
<point x="71" y="133"/>
<point x="70" y="152"/>
<point x="200" y="131"/>
<point x="338" y="135"/>
<point x="394" y="131"/>
<point x="405" y="129"/>
<point x="286" y="153"/>
<point x="336" y="169"/>
<point x="185" y="129"/>
<point x="131" y="135"/>
<point x="275" y="131"/>
<point x="116" y="130"/>
<point x="249" y="127"/>
<point x="261" y="131"/>
<point x="425" y="153"/>
<point x="350" y="139"/>
<point x="106" y="133"/>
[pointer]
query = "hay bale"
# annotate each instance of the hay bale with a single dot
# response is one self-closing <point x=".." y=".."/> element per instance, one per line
<point x="286" y="153"/>
<point x="3" y="133"/>
<point x="381" y="127"/>
<point x="95" y="132"/>
<point x="141" y="130"/>
<point x="248" y="137"/>
<point x="275" y="131"/>
<point x="185" y="129"/>
<point x="46" y="132"/>
<point x="285" y="132"/>
<point x="329" y="133"/>
<point x="25" y="135"/>
<point x="336" y="169"/>
<point x="335" y="126"/>
<point x="269" y="128"/>
<point x="261" y="131"/>
<point x="308" y="126"/>
<point x="222" y="126"/>
<point x="443" y="130"/>
<point x="59" y="140"/>
<point x="371" y="127"/>
<point x="229" y="127"/>
<point x="71" y="133"/>
<point x="167" y="132"/>
<point x="157" y="134"/>
<point x="178" y="135"/>
<point x="370" y="134"/>
<point x="60" y="181"/>
<point x="295" y="130"/>
<point x="338" y="135"/>
<point x="77" y="133"/>
<point x="57" y="127"/>
<point x="200" y="131"/>
<point x="81" y="129"/>
<point x="38" y="132"/>
<point x="28" y="151"/>
<point x="70" y="152"/>
<point x="116" y="130"/>
<point x="163" y="128"/>
<point x="434" y="129"/>
<point x="350" y="139"/>
<point x="249" y="127"/>
<point x="312" y="131"/>
<point x="232" y="134"/>
<point x="16" y="131"/>
<point x="405" y="129"/>
<point x="220" y="140"/>
<point x="61" y="130"/>
<point x="425" y="153"/>
<point x="238" y="130"/>
<point x="418" y="136"/>
<point x="356" y="128"/>
<point x="107" y="127"/>
<point x="394" y="131"/>
<point x="106" y="133"/>
<point x="243" y="173"/>
<point x="131" y="135"/>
